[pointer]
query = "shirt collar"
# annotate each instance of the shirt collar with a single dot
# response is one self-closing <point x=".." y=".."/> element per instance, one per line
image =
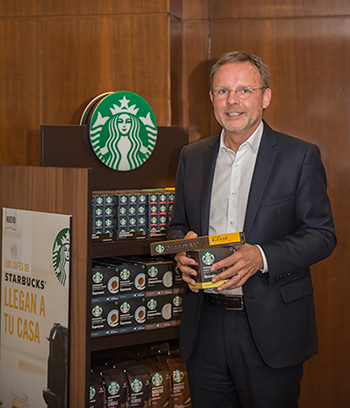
<point x="253" y="141"/>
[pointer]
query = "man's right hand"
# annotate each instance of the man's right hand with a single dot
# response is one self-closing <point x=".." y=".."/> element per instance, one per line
<point x="186" y="264"/>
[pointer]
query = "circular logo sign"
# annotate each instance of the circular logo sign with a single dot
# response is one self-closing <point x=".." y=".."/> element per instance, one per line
<point x="123" y="131"/>
<point x="61" y="256"/>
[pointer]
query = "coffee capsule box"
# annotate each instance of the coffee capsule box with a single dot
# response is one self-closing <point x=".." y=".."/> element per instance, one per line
<point x="118" y="316"/>
<point x="159" y="311"/>
<point x="105" y="280"/>
<point x="159" y="212"/>
<point x="198" y="243"/>
<point x="131" y="220"/>
<point x="103" y="215"/>
<point x="178" y="294"/>
<point x="205" y="258"/>
<point x="132" y="275"/>
<point x="159" y="272"/>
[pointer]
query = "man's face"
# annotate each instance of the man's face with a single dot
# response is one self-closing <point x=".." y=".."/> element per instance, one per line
<point x="237" y="116"/>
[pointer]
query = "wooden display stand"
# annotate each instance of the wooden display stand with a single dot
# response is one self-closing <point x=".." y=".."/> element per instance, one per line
<point x="61" y="191"/>
<point x="64" y="189"/>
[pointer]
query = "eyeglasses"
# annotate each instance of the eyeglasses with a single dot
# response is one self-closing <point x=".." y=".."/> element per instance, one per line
<point x="242" y="93"/>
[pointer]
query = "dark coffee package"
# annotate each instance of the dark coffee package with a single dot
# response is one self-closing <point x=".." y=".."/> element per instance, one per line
<point x="97" y="392"/>
<point x="116" y="387"/>
<point x="139" y="386"/>
<point x="180" y="395"/>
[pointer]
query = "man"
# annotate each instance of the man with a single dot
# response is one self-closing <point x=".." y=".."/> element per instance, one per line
<point x="273" y="187"/>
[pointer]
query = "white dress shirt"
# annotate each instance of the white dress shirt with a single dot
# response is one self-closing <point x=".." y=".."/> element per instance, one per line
<point x="231" y="185"/>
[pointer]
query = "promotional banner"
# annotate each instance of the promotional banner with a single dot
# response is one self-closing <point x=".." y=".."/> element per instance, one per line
<point x="35" y="271"/>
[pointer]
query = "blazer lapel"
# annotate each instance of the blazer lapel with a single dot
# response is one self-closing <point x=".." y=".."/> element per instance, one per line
<point x="209" y="161"/>
<point x="262" y="172"/>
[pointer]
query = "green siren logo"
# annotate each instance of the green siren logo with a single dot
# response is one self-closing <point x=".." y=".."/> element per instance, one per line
<point x="92" y="392"/>
<point x="157" y="379"/>
<point x="178" y="375"/>
<point x="113" y="388"/>
<point x="123" y="131"/>
<point x="136" y="385"/>
<point x="61" y="256"/>
<point x="208" y="258"/>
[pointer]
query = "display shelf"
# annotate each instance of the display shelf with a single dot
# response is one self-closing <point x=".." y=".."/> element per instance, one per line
<point x="158" y="171"/>
<point x="137" y="338"/>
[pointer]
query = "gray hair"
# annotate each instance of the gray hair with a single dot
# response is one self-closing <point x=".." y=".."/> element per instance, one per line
<point x="240" y="56"/>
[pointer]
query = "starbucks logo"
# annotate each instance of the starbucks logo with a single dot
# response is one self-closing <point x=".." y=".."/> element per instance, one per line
<point x="97" y="277"/>
<point x="153" y="271"/>
<point x="125" y="307"/>
<point x="208" y="258"/>
<point x="160" y="248"/>
<point x="113" y="388"/>
<point x="97" y="311"/>
<point x="136" y="385"/>
<point x="125" y="274"/>
<point x="157" y="379"/>
<point x="178" y="376"/>
<point x="92" y="392"/>
<point x="177" y="301"/>
<point x="152" y="304"/>
<point x="123" y="131"/>
<point x="61" y="256"/>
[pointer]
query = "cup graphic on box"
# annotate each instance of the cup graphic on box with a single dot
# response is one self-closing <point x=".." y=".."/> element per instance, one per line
<point x="19" y="399"/>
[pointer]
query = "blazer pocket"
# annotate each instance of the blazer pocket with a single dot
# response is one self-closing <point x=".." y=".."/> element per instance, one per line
<point x="296" y="289"/>
<point x="281" y="198"/>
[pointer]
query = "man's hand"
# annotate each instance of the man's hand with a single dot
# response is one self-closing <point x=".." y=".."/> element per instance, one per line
<point x="238" y="267"/>
<point x="186" y="264"/>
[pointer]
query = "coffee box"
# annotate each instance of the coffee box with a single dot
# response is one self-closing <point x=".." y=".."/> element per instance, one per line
<point x="205" y="258"/>
<point x="159" y="311"/>
<point x="118" y="316"/>
<point x="198" y="243"/>
<point x="105" y="280"/>
<point x="178" y="295"/>
<point x="159" y="272"/>
<point x="132" y="276"/>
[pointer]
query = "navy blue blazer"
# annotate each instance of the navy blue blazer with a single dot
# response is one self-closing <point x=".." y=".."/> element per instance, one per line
<point x="289" y="215"/>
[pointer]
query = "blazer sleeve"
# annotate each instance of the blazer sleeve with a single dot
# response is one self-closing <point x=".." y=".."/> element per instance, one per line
<point x="314" y="236"/>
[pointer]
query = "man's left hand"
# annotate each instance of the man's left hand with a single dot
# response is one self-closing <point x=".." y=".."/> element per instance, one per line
<point x="238" y="267"/>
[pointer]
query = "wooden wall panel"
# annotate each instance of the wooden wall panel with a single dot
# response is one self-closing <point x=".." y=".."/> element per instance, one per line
<point x="194" y="80"/>
<point x="83" y="57"/>
<point x="309" y="63"/>
<point x="190" y="10"/>
<point x="19" y="91"/>
<point x="81" y="7"/>
<point x="233" y="9"/>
